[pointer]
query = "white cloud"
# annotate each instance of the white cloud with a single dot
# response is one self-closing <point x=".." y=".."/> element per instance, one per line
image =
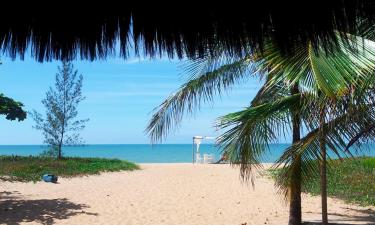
<point x="106" y="94"/>
<point x="135" y="60"/>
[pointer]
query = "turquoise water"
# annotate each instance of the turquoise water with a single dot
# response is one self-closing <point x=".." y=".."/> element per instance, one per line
<point x="144" y="153"/>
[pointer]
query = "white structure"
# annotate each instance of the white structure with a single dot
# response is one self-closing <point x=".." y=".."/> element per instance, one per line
<point x="197" y="158"/>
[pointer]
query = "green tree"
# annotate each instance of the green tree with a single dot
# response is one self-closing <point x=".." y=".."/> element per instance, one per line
<point x="11" y="109"/>
<point x="321" y="73"/>
<point x="278" y="108"/>
<point x="60" y="126"/>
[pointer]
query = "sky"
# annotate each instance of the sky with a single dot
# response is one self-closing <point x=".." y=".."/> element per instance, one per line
<point x="120" y="96"/>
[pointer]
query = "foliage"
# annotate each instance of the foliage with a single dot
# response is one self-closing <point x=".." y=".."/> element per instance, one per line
<point x="296" y="87"/>
<point x="207" y="78"/>
<point x="60" y="126"/>
<point x="351" y="179"/>
<point x="333" y="73"/>
<point x="17" y="168"/>
<point x="11" y="109"/>
<point x="51" y="152"/>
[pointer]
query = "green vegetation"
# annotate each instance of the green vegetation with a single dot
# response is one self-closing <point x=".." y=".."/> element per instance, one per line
<point x="351" y="180"/>
<point x="60" y="125"/>
<point x="11" y="109"/>
<point x="329" y="92"/>
<point x="18" y="168"/>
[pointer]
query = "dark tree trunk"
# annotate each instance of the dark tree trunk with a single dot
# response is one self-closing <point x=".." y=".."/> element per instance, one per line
<point x="323" y="170"/>
<point x="59" y="155"/>
<point x="295" y="215"/>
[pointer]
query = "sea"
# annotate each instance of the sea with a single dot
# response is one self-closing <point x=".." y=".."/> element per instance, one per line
<point x="147" y="153"/>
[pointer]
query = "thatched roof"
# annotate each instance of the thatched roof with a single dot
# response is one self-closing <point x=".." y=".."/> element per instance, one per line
<point x="179" y="31"/>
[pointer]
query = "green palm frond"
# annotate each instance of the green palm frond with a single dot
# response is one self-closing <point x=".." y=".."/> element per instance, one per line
<point x="195" y="68"/>
<point x="366" y="29"/>
<point x="200" y="88"/>
<point x="316" y="70"/>
<point x="250" y="131"/>
<point x="338" y="132"/>
<point x="340" y="79"/>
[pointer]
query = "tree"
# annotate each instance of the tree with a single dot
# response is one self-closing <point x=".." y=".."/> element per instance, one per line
<point x="11" y="109"/>
<point x="324" y="74"/>
<point x="60" y="126"/>
<point x="278" y="108"/>
<point x="337" y="125"/>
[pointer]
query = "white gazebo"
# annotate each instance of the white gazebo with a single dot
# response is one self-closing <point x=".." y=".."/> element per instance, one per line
<point x="197" y="140"/>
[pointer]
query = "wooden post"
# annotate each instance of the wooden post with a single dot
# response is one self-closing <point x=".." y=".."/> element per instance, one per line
<point x="193" y="152"/>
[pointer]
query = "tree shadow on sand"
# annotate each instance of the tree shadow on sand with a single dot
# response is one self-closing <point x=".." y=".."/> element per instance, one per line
<point x="367" y="216"/>
<point x="14" y="210"/>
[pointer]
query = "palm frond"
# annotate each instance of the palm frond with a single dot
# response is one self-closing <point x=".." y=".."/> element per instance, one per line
<point x="338" y="132"/>
<point x="316" y="70"/>
<point x="251" y="130"/>
<point x="189" y="97"/>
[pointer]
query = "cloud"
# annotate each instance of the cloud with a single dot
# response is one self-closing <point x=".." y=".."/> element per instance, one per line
<point x="136" y="60"/>
<point x="108" y="94"/>
<point x="133" y="60"/>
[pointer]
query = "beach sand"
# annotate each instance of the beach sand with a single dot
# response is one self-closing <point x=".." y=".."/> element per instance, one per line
<point x="162" y="194"/>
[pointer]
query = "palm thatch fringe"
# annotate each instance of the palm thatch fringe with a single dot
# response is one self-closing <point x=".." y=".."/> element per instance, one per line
<point x="182" y="31"/>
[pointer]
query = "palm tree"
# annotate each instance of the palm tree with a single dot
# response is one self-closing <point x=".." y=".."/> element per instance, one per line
<point x="345" y="122"/>
<point x="290" y="81"/>
<point x="317" y="73"/>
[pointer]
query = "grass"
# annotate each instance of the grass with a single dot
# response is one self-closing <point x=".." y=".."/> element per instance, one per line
<point x="352" y="180"/>
<point x="19" y="168"/>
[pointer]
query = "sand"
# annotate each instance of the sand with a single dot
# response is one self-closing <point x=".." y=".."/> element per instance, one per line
<point x="162" y="194"/>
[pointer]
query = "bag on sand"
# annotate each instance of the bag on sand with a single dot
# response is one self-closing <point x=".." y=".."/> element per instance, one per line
<point x="49" y="178"/>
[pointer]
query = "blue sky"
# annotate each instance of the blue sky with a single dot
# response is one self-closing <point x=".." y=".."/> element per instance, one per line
<point x="120" y="95"/>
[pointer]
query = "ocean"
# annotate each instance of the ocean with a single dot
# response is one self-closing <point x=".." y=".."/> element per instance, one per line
<point x="145" y="153"/>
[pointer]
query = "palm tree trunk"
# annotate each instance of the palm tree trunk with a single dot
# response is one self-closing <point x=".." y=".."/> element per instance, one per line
<point x="323" y="170"/>
<point x="295" y="215"/>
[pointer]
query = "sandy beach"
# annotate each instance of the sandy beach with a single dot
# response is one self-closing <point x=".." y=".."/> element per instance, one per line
<point x="163" y="194"/>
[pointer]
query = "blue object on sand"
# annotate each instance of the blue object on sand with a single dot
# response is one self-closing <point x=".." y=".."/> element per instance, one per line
<point x="49" y="178"/>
